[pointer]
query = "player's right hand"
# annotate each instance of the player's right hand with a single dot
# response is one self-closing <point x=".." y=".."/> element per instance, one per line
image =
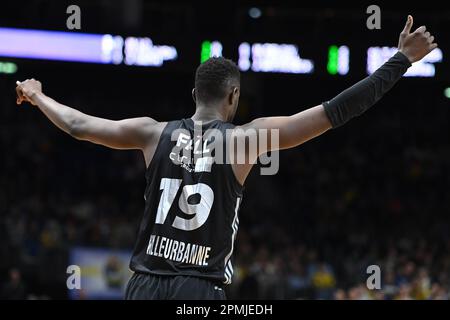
<point x="27" y="89"/>
<point x="415" y="45"/>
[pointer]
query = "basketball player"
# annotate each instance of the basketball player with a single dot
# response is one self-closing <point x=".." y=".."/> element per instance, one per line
<point x="186" y="238"/>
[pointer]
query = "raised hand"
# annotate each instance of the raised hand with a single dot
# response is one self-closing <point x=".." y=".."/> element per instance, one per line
<point x="27" y="89"/>
<point x="415" y="45"/>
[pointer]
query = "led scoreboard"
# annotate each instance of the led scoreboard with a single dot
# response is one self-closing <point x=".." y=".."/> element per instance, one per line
<point x="257" y="57"/>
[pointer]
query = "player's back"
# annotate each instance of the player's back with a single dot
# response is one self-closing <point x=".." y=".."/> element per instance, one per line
<point x="192" y="201"/>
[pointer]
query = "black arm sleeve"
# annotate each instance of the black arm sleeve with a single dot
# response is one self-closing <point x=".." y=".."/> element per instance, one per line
<point x="364" y="94"/>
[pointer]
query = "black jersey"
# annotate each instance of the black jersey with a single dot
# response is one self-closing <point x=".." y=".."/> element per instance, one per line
<point x="191" y="205"/>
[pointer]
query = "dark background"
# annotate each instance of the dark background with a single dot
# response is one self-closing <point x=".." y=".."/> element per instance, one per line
<point x="375" y="191"/>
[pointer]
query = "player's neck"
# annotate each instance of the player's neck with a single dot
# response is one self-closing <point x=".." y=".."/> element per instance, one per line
<point x="206" y="114"/>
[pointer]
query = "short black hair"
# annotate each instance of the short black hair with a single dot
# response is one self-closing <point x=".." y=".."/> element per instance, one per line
<point x="214" y="78"/>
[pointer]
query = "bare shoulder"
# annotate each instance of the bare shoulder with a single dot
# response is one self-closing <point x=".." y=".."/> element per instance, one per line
<point x="143" y="122"/>
<point x="158" y="128"/>
<point x="151" y="128"/>
<point x="148" y="125"/>
<point x="154" y="134"/>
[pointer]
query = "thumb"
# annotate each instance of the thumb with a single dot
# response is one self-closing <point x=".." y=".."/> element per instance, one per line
<point x="408" y="25"/>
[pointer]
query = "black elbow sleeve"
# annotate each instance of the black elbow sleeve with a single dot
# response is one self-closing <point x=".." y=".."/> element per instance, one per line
<point x="364" y="94"/>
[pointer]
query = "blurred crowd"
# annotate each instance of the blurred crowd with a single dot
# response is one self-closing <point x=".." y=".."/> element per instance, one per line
<point x="374" y="193"/>
<point x="408" y="270"/>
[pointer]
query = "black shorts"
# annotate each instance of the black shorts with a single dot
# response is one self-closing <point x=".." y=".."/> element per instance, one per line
<point x="155" y="287"/>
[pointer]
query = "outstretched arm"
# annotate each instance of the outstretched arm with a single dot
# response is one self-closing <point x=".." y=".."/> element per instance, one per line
<point x="301" y="127"/>
<point x="122" y="134"/>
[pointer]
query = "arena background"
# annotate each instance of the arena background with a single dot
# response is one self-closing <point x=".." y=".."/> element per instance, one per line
<point x="375" y="191"/>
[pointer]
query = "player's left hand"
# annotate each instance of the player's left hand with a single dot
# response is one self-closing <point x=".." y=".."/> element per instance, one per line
<point x="415" y="45"/>
<point x="27" y="89"/>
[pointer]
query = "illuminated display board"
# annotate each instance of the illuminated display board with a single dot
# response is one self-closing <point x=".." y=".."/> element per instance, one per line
<point x="376" y="56"/>
<point x="273" y="57"/>
<point x="83" y="47"/>
<point x="210" y="49"/>
<point x="338" y="60"/>
<point x="258" y="57"/>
